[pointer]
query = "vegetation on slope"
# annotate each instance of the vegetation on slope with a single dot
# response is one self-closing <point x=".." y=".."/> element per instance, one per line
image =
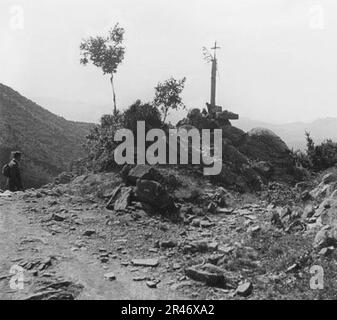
<point x="49" y="143"/>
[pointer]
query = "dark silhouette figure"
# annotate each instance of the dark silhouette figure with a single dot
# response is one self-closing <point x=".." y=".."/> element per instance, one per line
<point x="14" y="182"/>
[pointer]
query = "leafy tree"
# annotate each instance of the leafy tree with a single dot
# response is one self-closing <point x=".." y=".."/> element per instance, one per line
<point x="167" y="95"/>
<point x="106" y="53"/>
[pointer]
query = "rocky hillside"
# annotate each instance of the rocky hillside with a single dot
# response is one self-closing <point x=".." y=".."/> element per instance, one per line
<point x="48" y="142"/>
<point x="103" y="236"/>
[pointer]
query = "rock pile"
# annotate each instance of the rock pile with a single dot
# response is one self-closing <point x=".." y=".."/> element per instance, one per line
<point x="145" y="188"/>
<point x="249" y="159"/>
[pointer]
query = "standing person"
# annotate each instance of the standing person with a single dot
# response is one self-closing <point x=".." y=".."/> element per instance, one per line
<point x="14" y="182"/>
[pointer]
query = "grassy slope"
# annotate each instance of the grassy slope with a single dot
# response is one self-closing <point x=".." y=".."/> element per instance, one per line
<point x="49" y="143"/>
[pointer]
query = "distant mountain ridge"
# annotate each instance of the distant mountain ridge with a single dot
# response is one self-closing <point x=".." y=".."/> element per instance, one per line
<point x="294" y="133"/>
<point x="76" y="110"/>
<point x="49" y="143"/>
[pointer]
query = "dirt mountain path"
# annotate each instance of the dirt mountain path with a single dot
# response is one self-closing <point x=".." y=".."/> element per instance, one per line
<point x="55" y="268"/>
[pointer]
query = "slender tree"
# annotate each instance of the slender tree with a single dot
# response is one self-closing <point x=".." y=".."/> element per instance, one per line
<point x="168" y="95"/>
<point x="106" y="53"/>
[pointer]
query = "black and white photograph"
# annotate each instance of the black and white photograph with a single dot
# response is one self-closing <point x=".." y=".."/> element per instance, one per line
<point x="169" y="156"/>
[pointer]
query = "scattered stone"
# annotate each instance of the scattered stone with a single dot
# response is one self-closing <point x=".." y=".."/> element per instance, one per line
<point x="151" y="284"/>
<point x="309" y="211"/>
<point x="212" y="246"/>
<point x="306" y="196"/>
<point x="89" y="233"/>
<point x="212" y="207"/>
<point x="110" y="276"/>
<point x="7" y="194"/>
<point x="326" y="251"/>
<point x="326" y="187"/>
<point x="284" y="212"/>
<point x="214" y="258"/>
<point x="176" y="266"/>
<point x="226" y="211"/>
<point x="292" y="268"/>
<point x="206" y="224"/>
<point x="52" y="203"/>
<point x="196" y="222"/>
<point x="120" y="199"/>
<point x="199" y="246"/>
<point x="245" y="289"/>
<point x="254" y="229"/>
<point x="326" y="237"/>
<point x="168" y="244"/>
<point x="58" y="217"/>
<point x="145" y="262"/>
<point x="139" y="278"/>
<point x="60" y="290"/>
<point x="209" y="274"/>
<point x="226" y="249"/>
<point x="295" y="226"/>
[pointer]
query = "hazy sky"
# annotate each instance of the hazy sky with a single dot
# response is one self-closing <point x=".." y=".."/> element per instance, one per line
<point x="278" y="60"/>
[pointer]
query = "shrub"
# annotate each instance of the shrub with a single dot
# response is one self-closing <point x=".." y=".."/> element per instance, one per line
<point x="142" y="112"/>
<point x="100" y="144"/>
<point x="318" y="157"/>
<point x="325" y="155"/>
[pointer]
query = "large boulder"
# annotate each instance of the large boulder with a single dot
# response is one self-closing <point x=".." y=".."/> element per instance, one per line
<point x="264" y="145"/>
<point x="120" y="199"/>
<point x="249" y="159"/>
<point x="233" y="155"/>
<point x="153" y="193"/>
<point x="233" y="135"/>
